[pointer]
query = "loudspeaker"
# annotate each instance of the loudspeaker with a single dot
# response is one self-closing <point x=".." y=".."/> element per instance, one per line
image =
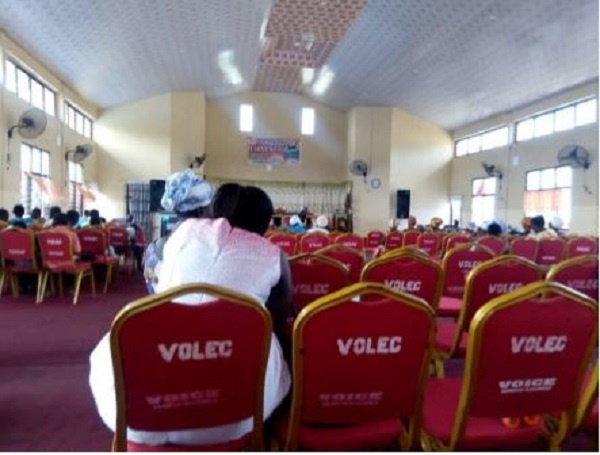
<point x="402" y="204"/>
<point x="157" y="189"/>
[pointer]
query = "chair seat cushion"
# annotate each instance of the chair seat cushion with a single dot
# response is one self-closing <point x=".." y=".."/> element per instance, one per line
<point x="68" y="266"/>
<point x="105" y="260"/>
<point x="346" y="438"/>
<point x="449" y="306"/>
<point x="444" y="338"/>
<point x="229" y="446"/>
<point x="481" y="433"/>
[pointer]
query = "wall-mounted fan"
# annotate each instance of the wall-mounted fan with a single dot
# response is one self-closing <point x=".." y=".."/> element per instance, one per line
<point x="574" y="155"/>
<point x="32" y="123"/>
<point x="359" y="168"/>
<point x="80" y="153"/>
<point x="491" y="170"/>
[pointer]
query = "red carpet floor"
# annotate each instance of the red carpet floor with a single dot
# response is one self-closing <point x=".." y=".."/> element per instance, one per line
<point x="45" y="400"/>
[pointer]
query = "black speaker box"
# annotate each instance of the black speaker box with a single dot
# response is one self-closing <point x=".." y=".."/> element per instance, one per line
<point x="402" y="204"/>
<point x="157" y="189"/>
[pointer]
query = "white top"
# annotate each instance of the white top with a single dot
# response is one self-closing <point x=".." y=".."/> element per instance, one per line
<point x="208" y="251"/>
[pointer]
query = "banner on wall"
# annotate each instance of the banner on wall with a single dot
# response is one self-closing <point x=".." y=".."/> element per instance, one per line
<point x="274" y="151"/>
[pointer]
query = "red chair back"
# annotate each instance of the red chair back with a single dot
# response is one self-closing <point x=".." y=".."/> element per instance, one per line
<point x="309" y="243"/>
<point x="375" y="239"/>
<point x="550" y="251"/>
<point x="17" y="245"/>
<point x="496" y="244"/>
<point x="204" y="373"/>
<point x="350" y="240"/>
<point x="579" y="273"/>
<point x="581" y="246"/>
<point x="527" y="354"/>
<point x="388" y="337"/>
<point x="409" y="272"/>
<point x="494" y="278"/>
<point x="394" y="240"/>
<point x="140" y="237"/>
<point x="411" y="238"/>
<point x="288" y="243"/>
<point x="430" y="243"/>
<point x="349" y="257"/>
<point x="315" y="276"/>
<point x="56" y="248"/>
<point x="525" y="248"/>
<point x="93" y="241"/>
<point x="118" y="236"/>
<point x="457" y="264"/>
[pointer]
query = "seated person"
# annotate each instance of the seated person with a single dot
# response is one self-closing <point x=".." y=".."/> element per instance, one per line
<point x="539" y="230"/>
<point x="36" y="218"/>
<point x="54" y="211"/>
<point x="61" y="224"/>
<point x="18" y="220"/>
<point x="495" y="230"/>
<point x="412" y="223"/>
<point x="296" y="226"/>
<point x="229" y="251"/>
<point x="321" y="225"/>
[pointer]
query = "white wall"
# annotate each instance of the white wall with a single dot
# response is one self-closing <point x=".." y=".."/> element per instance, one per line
<point x="518" y="158"/>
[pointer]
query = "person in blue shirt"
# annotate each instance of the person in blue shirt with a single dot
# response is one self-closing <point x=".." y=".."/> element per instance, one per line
<point x="18" y="220"/>
<point x="296" y="226"/>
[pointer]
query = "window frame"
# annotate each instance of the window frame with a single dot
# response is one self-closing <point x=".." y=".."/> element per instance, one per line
<point x="27" y="184"/>
<point x="490" y="134"/>
<point x="76" y="120"/>
<point x="21" y="71"/>
<point x="484" y="195"/>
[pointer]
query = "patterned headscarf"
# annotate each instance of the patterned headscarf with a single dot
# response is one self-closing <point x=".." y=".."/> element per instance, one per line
<point x="186" y="191"/>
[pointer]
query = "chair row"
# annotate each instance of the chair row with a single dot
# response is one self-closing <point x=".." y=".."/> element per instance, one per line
<point x="360" y="370"/>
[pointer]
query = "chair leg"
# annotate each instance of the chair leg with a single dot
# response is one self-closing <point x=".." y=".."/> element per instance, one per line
<point x="60" y="284"/>
<point x="42" y="289"/>
<point x="38" y="296"/>
<point x="2" y="281"/>
<point x="14" y="285"/>
<point x="438" y="365"/>
<point x="93" y="282"/>
<point x="109" y="269"/>
<point x="78" y="279"/>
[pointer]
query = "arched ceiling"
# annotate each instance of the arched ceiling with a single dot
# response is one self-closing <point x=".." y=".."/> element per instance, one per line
<point x="452" y="62"/>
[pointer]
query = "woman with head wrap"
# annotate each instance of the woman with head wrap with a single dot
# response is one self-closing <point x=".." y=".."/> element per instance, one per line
<point x="296" y="226"/>
<point x="228" y="250"/>
<point x="188" y="196"/>
<point x="320" y="225"/>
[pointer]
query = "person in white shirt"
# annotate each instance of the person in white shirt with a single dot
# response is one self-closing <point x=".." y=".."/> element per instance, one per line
<point x="538" y="229"/>
<point x="320" y="225"/>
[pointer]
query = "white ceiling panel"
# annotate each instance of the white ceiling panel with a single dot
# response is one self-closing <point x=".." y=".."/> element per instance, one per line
<point x="451" y="62"/>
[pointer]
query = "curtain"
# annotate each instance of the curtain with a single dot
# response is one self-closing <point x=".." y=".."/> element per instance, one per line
<point x="549" y="203"/>
<point x="292" y="197"/>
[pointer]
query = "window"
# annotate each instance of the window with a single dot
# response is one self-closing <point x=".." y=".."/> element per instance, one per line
<point x="483" y="200"/>
<point x="308" y="121"/>
<point x="75" y="174"/>
<point x="548" y="193"/>
<point x="560" y="119"/>
<point x="486" y="140"/>
<point x="78" y="121"/>
<point x="246" y="118"/>
<point x="35" y="164"/>
<point x="28" y="87"/>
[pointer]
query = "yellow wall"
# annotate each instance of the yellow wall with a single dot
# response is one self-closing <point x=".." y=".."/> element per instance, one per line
<point x="323" y="155"/>
<point x="515" y="160"/>
<point x="188" y="122"/>
<point x="420" y="162"/>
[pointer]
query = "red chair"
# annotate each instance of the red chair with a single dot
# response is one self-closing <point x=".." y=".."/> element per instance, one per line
<point x="525" y="248"/>
<point x="309" y="243"/>
<point x="411" y="238"/>
<point x="394" y="240"/>
<point x="314" y="276"/>
<point x="430" y="243"/>
<point x="485" y="282"/>
<point x="350" y="240"/>
<point x="118" y="238"/>
<point x="587" y="411"/>
<point x="57" y="257"/>
<point x="375" y="239"/>
<point x="456" y="265"/>
<point x="94" y="245"/>
<point x="204" y="373"/>
<point x="407" y="271"/>
<point x="550" y="251"/>
<point x="456" y="240"/>
<point x="19" y="256"/>
<point x="349" y="257"/>
<point x="496" y="244"/>
<point x="526" y="356"/>
<point x="359" y="369"/>
<point x="581" y="246"/>
<point x="288" y="243"/>
<point x="579" y="273"/>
